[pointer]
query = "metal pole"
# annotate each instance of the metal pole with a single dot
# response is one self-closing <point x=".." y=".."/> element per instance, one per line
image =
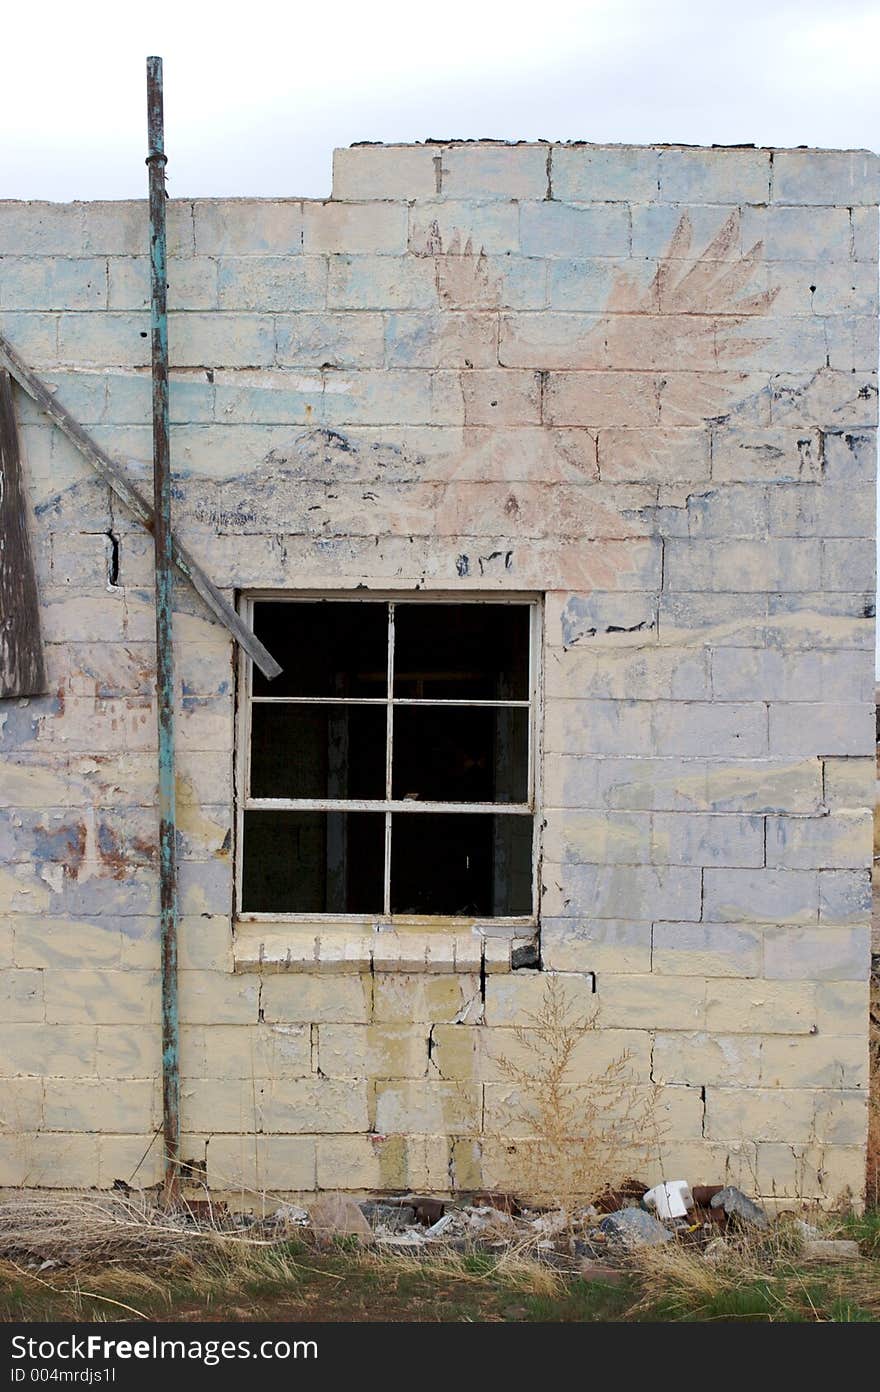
<point x="164" y="651"/>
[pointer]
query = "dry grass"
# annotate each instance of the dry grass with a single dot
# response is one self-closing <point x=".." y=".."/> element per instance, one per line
<point x="873" y="1175"/>
<point x="757" y="1276"/>
<point x="75" y="1229"/>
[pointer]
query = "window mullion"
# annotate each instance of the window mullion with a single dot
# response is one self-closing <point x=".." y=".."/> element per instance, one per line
<point x="389" y="756"/>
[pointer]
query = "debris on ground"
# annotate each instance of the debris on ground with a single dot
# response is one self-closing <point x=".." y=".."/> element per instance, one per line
<point x="671" y="1199"/>
<point x="627" y="1192"/>
<point x="738" y="1205"/>
<point x="338" y="1215"/>
<point x="428" y="1211"/>
<point x="290" y="1216"/>
<point x="634" y="1227"/>
<point x="591" y="1238"/>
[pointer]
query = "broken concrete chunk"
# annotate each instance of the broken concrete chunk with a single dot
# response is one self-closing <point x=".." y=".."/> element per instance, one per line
<point x="338" y="1215"/>
<point x="290" y="1216"/>
<point x="633" y="1227"/>
<point x="390" y="1217"/>
<point x="738" y="1205"/>
<point x="829" y="1249"/>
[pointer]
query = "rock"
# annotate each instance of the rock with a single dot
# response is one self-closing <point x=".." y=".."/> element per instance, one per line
<point x="828" y="1249"/>
<point x="338" y="1215"/>
<point x="738" y="1205"/>
<point x="633" y="1227"/>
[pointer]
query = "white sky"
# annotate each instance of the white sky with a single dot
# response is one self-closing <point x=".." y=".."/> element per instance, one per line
<point x="258" y="94"/>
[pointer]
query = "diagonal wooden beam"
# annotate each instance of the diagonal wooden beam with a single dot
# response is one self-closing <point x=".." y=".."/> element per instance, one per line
<point x="136" y="503"/>
<point x="22" y="669"/>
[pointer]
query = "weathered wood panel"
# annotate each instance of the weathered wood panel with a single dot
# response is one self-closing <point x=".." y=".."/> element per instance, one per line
<point x="22" y="671"/>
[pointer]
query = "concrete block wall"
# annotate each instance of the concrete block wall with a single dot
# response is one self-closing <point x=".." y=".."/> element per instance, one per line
<point x="638" y="382"/>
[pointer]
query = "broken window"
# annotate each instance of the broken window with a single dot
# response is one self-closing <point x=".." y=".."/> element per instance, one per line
<point x="390" y="769"/>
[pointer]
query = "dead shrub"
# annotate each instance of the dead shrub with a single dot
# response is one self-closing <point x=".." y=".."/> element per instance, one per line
<point x="572" y="1138"/>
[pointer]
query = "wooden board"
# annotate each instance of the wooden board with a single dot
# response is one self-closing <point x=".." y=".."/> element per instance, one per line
<point x="22" y="670"/>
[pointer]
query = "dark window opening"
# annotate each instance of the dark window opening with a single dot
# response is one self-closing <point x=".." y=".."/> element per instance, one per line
<point x="389" y="767"/>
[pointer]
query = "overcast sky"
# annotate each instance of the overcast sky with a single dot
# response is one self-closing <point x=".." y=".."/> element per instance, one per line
<point x="258" y="94"/>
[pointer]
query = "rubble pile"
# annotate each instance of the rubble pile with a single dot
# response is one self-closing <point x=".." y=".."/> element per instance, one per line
<point x="594" y="1238"/>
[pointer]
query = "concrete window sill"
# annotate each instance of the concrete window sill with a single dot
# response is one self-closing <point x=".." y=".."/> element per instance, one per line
<point x="276" y="945"/>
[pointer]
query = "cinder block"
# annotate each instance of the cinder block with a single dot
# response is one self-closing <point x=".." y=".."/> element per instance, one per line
<point x="388" y="171"/>
<point x="600" y="398"/>
<point x="827" y="728"/>
<point x="841" y="841"/>
<point x="373" y="1051"/>
<point x="651" y="1002"/>
<point x="786" y="1114"/>
<point x="518" y="999"/>
<point x="266" y="283"/>
<point x="553" y="229"/>
<point x="715" y="176"/>
<point x="656" y="456"/>
<point x="610" y="174"/>
<point x="353" y="228"/>
<point x="817" y="954"/>
<point x="761" y="1007"/>
<point x="595" y="945"/>
<point x="706" y="949"/>
<point x="313" y="999"/>
<point x="47" y="282"/>
<point x="444" y="1109"/>
<point x="826" y="177"/>
<point x="707" y="728"/>
<point x="699" y="1059"/>
<point x="819" y="1061"/>
<point x="84" y="1105"/>
<point x="447" y="226"/>
<point x="547" y="341"/>
<point x="32" y="1049"/>
<point x="426" y="340"/>
<point x="481" y="169"/>
<point x="844" y="896"/>
<point x="760" y="896"/>
<point x="798" y="234"/>
<point x="622" y="891"/>
<point x="192" y="283"/>
<point x="21" y="997"/>
<point x="256" y="1163"/>
<point x="121" y="228"/>
<point x="52" y="1160"/>
<point x="849" y="782"/>
<point x="21" y="1105"/>
<point x="249" y="227"/>
<point x="381" y="282"/>
<point x="502" y="398"/>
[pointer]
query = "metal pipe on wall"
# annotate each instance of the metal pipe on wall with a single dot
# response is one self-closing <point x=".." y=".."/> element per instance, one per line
<point x="164" y="606"/>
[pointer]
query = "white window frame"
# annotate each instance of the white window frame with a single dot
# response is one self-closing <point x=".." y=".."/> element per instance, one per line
<point x="244" y="802"/>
